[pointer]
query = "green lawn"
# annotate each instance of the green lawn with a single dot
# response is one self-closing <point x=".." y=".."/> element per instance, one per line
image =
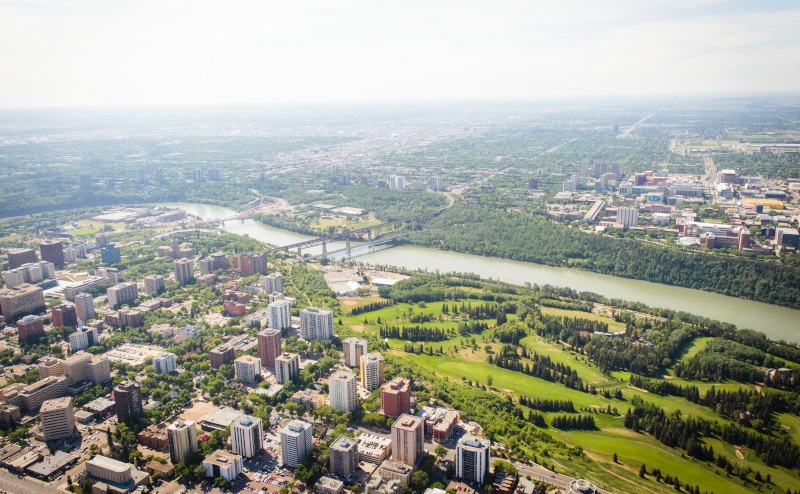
<point x="613" y="325"/>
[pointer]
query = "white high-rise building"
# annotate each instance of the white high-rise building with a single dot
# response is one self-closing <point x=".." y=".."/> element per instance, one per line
<point x="295" y="442"/>
<point x="397" y="182"/>
<point x="279" y="314"/>
<point x="247" y="368"/>
<point x="372" y="371"/>
<point x="82" y="339"/>
<point x="316" y="324"/>
<point x="182" y="438"/>
<point x="271" y="283"/>
<point x="435" y="183"/>
<point x="342" y="386"/>
<point x="628" y="216"/>
<point x="246" y="436"/>
<point x="166" y="363"/>
<point x="473" y="459"/>
<point x="353" y="349"/>
<point x="287" y="367"/>
<point x="84" y="306"/>
<point x="13" y="278"/>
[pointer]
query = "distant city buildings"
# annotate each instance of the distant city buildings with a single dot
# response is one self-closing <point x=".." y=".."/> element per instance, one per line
<point x="184" y="270"/>
<point x="123" y="293"/>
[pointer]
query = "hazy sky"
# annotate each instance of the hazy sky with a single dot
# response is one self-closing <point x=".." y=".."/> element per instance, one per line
<point x="113" y="52"/>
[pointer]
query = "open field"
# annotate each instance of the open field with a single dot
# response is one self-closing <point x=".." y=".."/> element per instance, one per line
<point x="613" y="325"/>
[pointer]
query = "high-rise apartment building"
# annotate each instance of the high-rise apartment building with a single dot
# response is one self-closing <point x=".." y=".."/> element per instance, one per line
<point x="98" y="369"/>
<point x="353" y="349"/>
<point x="628" y="216"/>
<point x="128" y="399"/>
<point x="408" y="439"/>
<point x="435" y="183"/>
<point x="279" y="314"/>
<point x="30" y="327"/>
<point x="58" y="420"/>
<point x="32" y="396"/>
<point x="269" y="346"/>
<point x="154" y="283"/>
<point x="396" y="397"/>
<point x="83" y="338"/>
<point x="287" y="367"/>
<point x="166" y="363"/>
<point x="123" y="293"/>
<point x="397" y="182"/>
<point x="342" y="386"/>
<point x="75" y="367"/>
<point x="271" y="283"/>
<point x="110" y="254"/>
<point x="247" y="368"/>
<point x="316" y="324"/>
<point x="247" y="436"/>
<point x="182" y="440"/>
<point x="221" y="355"/>
<point x="344" y="456"/>
<point x="372" y="371"/>
<point x="473" y="459"/>
<point x="184" y="270"/>
<point x="295" y="442"/>
<point x="64" y="315"/>
<point x="84" y="306"/>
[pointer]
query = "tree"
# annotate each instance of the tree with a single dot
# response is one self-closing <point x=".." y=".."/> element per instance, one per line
<point x="181" y="470"/>
<point x="419" y="480"/>
<point x="440" y="451"/>
<point x="490" y="380"/>
<point x="642" y="471"/>
<point x="615" y="458"/>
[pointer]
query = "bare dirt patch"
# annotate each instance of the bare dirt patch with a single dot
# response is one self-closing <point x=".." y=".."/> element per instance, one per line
<point x="357" y="327"/>
<point x="349" y="303"/>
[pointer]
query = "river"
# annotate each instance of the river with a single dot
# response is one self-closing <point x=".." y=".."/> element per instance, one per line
<point x="775" y="321"/>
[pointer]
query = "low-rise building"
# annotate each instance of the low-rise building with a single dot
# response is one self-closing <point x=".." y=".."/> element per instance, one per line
<point x="327" y="485"/>
<point x="223" y="464"/>
<point x="373" y="449"/>
<point x="112" y="476"/>
<point x="395" y="470"/>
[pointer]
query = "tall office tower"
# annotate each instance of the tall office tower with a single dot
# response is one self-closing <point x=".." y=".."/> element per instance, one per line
<point x="287" y="367"/>
<point x="396" y="397"/>
<point x="160" y="176"/>
<point x="408" y="439"/>
<point x="353" y="349"/>
<point x="279" y="314"/>
<point x="57" y="418"/>
<point x="184" y="270"/>
<point x="628" y="216"/>
<point x="182" y="439"/>
<point x="84" y="306"/>
<point x="258" y="263"/>
<point x="52" y="252"/>
<point x="344" y="456"/>
<point x="246" y="436"/>
<point x="247" y="368"/>
<point x="29" y="327"/>
<point x="141" y="176"/>
<point x="316" y="324"/>
<point x="214" y="174"/>
<point x="435" y="183"/>
<point x="50" y="366"/>
<point x="128" y="398"/>
<point x="197" y="175"/>
<point x="64" y="315"/>
<point x="342" y="385"/>
<point x="166" y="363"/>
<point x="473" y="459"/>
<point x="154" y="283"/>
<point x="372" y="371"/>
<point x="269" y="346"/>
<point x="295" y="442"/>
<point x="18" y="257"/>
<point x="272" y="283"/>
<point x="122" y="293"/>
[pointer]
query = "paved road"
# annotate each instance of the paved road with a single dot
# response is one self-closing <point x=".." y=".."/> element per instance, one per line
<point x="26" y="485"/>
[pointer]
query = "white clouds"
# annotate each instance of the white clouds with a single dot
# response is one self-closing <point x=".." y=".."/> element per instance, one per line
<point x="184" y="52"/>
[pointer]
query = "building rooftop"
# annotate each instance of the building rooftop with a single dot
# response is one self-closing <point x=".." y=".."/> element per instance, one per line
<point x="56" y="404"/>
<point x="221" y="458"/>
<point x="408" y="422"/>
<point x="110" y="464"/>
<point x="51" y="464"/>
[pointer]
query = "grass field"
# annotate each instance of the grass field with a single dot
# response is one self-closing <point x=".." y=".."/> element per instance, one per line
<point x="463" y="362"/>
<point x="613" y="325"/>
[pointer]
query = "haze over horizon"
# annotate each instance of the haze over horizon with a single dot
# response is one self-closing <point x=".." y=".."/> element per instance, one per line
<point x="93" y="53"/>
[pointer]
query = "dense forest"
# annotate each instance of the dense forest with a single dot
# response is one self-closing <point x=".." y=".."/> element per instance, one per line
<point x="491" y="232"/>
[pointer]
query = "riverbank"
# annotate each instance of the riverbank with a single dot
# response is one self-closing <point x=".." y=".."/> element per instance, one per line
<point x="775" y="321"/>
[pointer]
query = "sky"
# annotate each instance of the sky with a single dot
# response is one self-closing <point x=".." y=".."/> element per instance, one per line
<point x="190" y="52"/>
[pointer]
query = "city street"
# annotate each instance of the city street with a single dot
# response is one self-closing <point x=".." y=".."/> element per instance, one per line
<point x="27" y="485"/>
